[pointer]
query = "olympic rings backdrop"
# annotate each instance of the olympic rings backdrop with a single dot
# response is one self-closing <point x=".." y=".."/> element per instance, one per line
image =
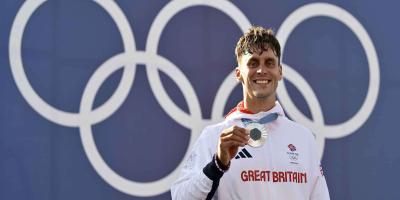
<point x="104" y="99"/>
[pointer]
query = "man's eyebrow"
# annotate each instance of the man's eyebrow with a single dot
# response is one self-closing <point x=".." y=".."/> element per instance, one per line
<point x="252" y="59"/>
<point x="270" y="59"/>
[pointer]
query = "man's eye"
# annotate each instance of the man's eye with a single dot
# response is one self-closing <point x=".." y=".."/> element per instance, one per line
<point x="271" y="64"/>
<point x="253" y="64"/>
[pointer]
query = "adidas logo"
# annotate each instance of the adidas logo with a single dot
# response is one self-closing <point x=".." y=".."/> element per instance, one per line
<point x="243" y="154"/>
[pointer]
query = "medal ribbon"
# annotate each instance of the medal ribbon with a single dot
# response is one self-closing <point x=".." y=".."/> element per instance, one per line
<point x="264" y="120"/>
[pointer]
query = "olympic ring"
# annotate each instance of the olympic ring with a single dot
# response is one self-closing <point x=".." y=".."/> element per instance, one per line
<point x="329" y="131"/>
<point x="154" y="36"/>
<point x="110" y="66"/>
<point x="35" y="101"/>
<point x="153" y="62"/>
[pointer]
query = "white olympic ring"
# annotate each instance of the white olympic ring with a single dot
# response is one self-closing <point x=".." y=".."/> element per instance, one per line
<point x="153" y="62"/>
<point x="329" y="131"/>
<point x="110" y="66"/>
<point x="38" y="104"/>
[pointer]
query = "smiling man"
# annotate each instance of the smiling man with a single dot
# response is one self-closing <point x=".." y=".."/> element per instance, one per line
<point x="256" y="152"/>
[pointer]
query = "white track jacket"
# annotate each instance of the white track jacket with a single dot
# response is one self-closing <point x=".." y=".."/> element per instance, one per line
<point x="286" y="167"/>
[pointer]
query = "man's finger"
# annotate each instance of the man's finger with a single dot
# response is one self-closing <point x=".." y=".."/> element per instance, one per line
<point x="234" y="137"/>
<point x="232" y="143"/>
<point x="243" y="134"/>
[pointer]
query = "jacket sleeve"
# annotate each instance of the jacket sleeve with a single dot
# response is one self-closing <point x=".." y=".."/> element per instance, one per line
<point x="320" y="188"/>
<point x="200" y="176"/>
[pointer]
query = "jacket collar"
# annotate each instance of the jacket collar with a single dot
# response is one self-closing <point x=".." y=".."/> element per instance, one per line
<point x="240" y="112"/>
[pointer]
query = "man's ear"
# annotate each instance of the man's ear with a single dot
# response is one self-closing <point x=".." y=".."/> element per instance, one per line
<point x="280" y="72"/>
<point x="238" y="75"/>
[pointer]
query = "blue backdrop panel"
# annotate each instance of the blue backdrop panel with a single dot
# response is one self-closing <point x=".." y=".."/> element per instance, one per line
<point x="103" y="99"/>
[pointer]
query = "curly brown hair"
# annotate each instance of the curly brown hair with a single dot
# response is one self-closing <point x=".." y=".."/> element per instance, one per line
<point x="256" y="40"/>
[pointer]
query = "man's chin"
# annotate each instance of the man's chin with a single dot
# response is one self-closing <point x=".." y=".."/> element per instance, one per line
<point x="262" y="96"/>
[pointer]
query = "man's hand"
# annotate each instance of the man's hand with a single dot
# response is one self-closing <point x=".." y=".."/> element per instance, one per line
<point x="229" y="142"/>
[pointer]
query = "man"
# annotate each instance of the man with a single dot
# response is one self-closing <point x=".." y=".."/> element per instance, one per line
<point x="257" y="152"/>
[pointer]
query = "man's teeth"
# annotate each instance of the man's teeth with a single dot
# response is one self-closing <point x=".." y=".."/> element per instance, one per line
<point x="262" y="81"/>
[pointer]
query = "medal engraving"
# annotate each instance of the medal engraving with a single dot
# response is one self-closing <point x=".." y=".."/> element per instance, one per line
<point x="258" y="134"/>
<point x="255" y="134"/>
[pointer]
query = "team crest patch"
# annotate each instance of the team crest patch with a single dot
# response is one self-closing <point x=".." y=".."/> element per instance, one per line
<point x="292" y="147"/>
<point x="293" y="154"/>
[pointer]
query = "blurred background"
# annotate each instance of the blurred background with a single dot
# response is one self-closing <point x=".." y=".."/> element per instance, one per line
<point x="103" y="99"/>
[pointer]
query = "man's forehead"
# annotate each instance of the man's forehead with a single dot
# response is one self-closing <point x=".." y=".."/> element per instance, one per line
<point x="259" y="52"/>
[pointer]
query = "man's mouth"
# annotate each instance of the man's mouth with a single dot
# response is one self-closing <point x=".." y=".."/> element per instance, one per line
<point x="262" y="81"/>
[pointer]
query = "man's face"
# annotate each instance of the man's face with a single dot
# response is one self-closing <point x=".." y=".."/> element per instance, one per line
<point x="259" y="74"/>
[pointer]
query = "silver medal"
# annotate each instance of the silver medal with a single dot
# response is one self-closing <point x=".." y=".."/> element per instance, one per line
<point x="258" y="134"/>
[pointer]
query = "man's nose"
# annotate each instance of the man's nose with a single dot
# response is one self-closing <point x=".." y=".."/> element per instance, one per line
<point x="262" y="69"/>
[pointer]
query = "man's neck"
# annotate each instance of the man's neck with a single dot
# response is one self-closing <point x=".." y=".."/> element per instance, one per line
<point x="259" y="105"/>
